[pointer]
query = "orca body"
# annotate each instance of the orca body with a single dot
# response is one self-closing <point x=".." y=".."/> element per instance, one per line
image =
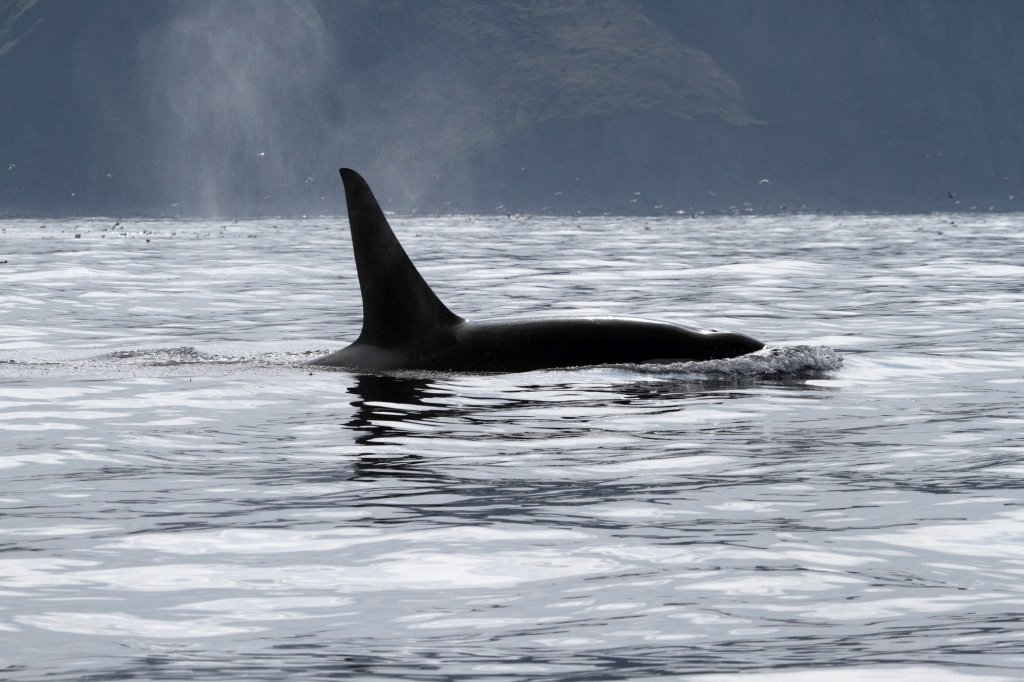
<point x="407" y="327"/>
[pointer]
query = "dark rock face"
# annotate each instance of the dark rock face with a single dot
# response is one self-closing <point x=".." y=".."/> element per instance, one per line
<point x="619" y="106"/>
<point x="885" y="103"/>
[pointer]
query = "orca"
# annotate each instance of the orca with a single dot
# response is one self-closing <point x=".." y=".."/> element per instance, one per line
<point x="407" y="327"/>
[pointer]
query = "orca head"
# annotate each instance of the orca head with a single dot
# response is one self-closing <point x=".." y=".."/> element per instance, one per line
<point x="730" y="344"/>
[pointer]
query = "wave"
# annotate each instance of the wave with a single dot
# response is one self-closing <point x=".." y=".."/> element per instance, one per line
<point x="160" y="361"/>
<point x="189" y="355"/>
<point x="787" y="360"/>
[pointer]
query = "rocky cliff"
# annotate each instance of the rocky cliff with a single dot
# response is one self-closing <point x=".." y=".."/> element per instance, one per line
<point x="620" y="106"/>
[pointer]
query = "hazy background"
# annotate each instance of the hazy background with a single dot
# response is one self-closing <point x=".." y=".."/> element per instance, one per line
<point x="200" y="107"/>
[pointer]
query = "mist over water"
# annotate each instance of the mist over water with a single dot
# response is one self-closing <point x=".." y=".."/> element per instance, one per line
<point x="225" y="83"/>
<point x="184" y="500"/>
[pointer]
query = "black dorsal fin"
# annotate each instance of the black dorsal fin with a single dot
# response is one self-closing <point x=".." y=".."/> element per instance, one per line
<point x="398" y="306"/>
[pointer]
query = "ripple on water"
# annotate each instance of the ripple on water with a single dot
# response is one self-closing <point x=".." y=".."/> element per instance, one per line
<point x="183" y="499"/>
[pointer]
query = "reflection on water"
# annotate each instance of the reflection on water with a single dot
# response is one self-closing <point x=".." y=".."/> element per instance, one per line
<point x="387" y="407"/>
<point x="183" y="499"/>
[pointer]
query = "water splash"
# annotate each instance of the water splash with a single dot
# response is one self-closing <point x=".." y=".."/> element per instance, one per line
<point x="787" y="360"/>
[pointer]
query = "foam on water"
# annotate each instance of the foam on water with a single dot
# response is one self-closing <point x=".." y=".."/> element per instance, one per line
<point x="790" y="360"/>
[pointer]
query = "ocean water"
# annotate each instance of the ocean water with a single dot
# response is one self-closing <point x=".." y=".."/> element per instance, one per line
<point x="182" y="499"/>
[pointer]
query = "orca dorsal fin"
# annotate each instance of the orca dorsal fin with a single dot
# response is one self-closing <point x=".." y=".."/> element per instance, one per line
<point x="399" y="307"/>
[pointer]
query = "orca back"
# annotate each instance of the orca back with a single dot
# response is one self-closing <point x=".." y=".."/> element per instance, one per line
<point x="399" y="307"/>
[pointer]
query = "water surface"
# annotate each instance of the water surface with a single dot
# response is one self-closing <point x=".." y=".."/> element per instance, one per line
<point x="182" y="499"/>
